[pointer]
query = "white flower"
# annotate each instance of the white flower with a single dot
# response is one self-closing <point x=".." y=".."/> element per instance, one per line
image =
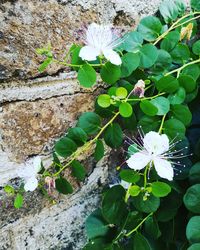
<point x="30" y="175"/>
<point x="139" y="88"/>
<point x="100" y="41"/>
<point x="155" y="151"/>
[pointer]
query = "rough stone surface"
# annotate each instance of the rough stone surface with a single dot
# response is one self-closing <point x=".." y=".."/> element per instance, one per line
<point x="36" y="109"/>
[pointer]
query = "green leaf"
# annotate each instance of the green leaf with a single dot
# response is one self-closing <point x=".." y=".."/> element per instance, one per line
<point x="125" y="109"/>
<point x="193" y="229"/>
<point x="76" y="60"/>
<point x="162" y="104"/>
<point x="170" y="41"/>
<point x="192" y="70"/>
<point x="63" y="186"/>
<point x="167" y="84"/>
<point x="113" y="135"/>
<point x="133" y="42"/>
<point x="180" y="54"/>
<point x="160" y="189"/>
<point x="78" y="170"/>
<point x="99" y="150"/>
<point x="110" y="73"/>
<point x="134" y="190"/>
<point x="169" y="10"/>
<point x="149" y="55"/>
<point x="195" y="246"/>
<point x="113" y="206"/>
<point x="89" y="122"/>
<point x="65" y="147"/>
<point x="78" y="135"/>
<point x="104" y="100"/>
<point x="129" y="175"/>
<point x="148" y="108"/>
<point x="177" y="97"/>
<point x="182" y="113"/>
<point x="196" y="48"/>
<point x="163" y="61"/>
<point x="152" y="228"/>
<point x="87" y="76"/>
<point x="150" y="27"/>
<point x="187" y="82"/>
<point x="147" y="206"/>
<point x="194" y="175"/>
<point x="130" y="62"/>
<point x="18" y="202"/>
<point x="121" y="92"/>
<point x="192" y="198"/>
<point x="45" y="64"/>
<point x="132" y="149"/>
<point x="149" y="123"/>
<point x="9" y="189"/>
<point x="140" y="243"/>
<point x="174" y="128"/>
<point x="195" y="4"/>
<point x="95" y="225"/>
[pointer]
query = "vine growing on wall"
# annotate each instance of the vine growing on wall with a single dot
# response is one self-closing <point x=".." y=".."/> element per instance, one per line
<point x="152" y="79"/>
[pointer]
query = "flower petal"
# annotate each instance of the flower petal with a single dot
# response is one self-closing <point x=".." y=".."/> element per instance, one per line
<point x="164" y="168"/>
<point x="89" y="53"/>
<point x="112" y="56"/>
<point x="31" y="184"/>
<point x="156" y="143"/>
<point x="37" y="164"/>
<point x="138" y="161"/>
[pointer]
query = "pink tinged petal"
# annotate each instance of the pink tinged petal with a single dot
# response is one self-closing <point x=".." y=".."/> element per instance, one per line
<point x="112" y="56"/>
<point x="138" y="161"/>
<point x="31" y="184"/>
<point x="164" y="168"/>
<point x="89" y="53"/>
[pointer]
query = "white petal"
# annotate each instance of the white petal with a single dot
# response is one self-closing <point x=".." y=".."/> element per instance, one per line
<point x="164" y="168"/>
<point x="37" y="164"/>
<point x="112" y="56"/>
<point x="89" y="53"/>
<point x="138" y="161"/>
<point x="156" y="143"/>
<point x="31" y="184"/>
<point x="125" y="184"/>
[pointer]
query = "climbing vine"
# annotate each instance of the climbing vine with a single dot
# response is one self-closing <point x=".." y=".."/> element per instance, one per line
<point x="151" y="76"/>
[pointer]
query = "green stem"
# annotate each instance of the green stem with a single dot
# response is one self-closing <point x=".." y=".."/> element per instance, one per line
<point x="176" y="25"/>
<point x="145" y="176"/>
<point x="146" y="98"/>
<point x="86" y="146"/>
<point x="75" y="65"/>
<point x="127" y="194"/>
<point x="136" y="228"/>
<point x="178" y="70"/>
<point x="161" y="125"/>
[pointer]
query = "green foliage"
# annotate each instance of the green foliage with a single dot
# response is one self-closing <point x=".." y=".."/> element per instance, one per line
<point x="78" y="170"/>
<point x="110" y="73"/>
<point x="129" y="175"/>
<point x="193" y="229"/>
<point x="99" y="150"/>
<point x="87" y="76"/>
<point x="18" y="202"/>
<point x="65" y="147"/>
<point x="113" y="135"/>
<point x="149" y="55"/>
<point x="130" y="62"/>
<point x="63" y="186"/>
<point x="160" y="189"/>
<point x="89" y="122"/>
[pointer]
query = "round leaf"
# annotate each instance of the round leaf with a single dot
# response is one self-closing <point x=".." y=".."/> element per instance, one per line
<point x="110" y="73"/>
<point x="134" y="190"/>
<point x="87" y="76"/>
<point x="140" y="243"/>
<point x="196" y="48"/>
<point x="182" y="113"/>
<point x="147" y="206"/>
<point x="148" y="108"/>
<point x="167" y="84"/>
<point x="130" y="62"/>
<point x="193" y="229"/>
<point x="180" y="54"/>
<point x="104" y="100"/>
<point x="187" y="82"/>
<point x="150" y="27"/>
<point x="170" y="41"/>
<point x="63" y="186"/>
<point x="18" y="202"/>
<point x="195" y="173"/>
<point x="174" y="128"/>
<point x="99" y="150"/>
<point x="89" y="122"/>
<point x="132" y="42"/>
<point x="195" y="246"/>
<point x="160" y="189"/>
<point x="113" y="135"/>
<point x="162" y="104"/>
<point x="192" y="198"/>
<point x="195" y="4"/>
<point x="129" y="175"/>
<point x="121" y="92"/>
<point x="125" y="109"/>
<point x="177" y="97"/>
<point x="78" y="135"/>
<point x="149" y="55"/>
<point x="65" y="147"/>
<point x="78" y="170"/>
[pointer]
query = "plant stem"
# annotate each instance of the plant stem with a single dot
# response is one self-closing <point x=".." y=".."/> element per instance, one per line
<point x="145" y="176"/>
<point x="87" y="145"/>
<point x="136" y="228"/>
<point x="176" y="25"/>
<point x="161" y="125"/>
<point x="146" y="98"/>
<point x="182" y="67"/>
<point x="75" y="65"/>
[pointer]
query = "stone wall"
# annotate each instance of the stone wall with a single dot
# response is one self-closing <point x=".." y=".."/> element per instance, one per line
<point x="36" y="109"/>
